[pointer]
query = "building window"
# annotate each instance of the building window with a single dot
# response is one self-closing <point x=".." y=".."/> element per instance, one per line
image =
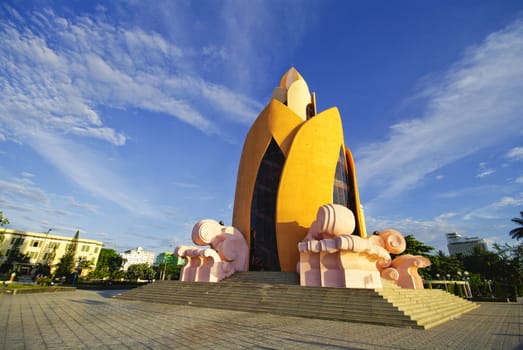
<point x="96" y="250"/>
<point x="17" y="241"/>
<point x="342" y="192"/>
<point x="85" y="248"/>
<point x="54" y="245"/>
<point x="341" y="182"/>
<point x="35" y="243"/>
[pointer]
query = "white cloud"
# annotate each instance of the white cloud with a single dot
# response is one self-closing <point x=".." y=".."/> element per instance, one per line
<point x="60" y="75"/>
<point x="446" y="216"/>
<point x="515" y="153"/>
<point x="467" y="191"/>
<point x="22" y="190"/>
<point x="509" y="201"/>
<point x="59" y="70"/>
<point x="431" y="232"/>
<point x="484" y="170"/>
<point x="76" y="163"/>
<point x="186" y="185"/>
<point x="495" y="210"/>
<point x="478" y="99"/>
<point x="519" y="180"/>
<point x="85" y="206"/>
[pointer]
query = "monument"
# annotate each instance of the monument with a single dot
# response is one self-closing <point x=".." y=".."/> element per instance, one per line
<point x="297" y="206"/>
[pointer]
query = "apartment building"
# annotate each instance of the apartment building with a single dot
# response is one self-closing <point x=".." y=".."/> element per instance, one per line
<point x="46" y="248"/>
<point x="464" y="245"/>
<point x="136" y="256"/>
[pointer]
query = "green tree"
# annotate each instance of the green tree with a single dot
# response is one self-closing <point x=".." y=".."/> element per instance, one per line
<point x="14" y="256"/>
<point x="510" y="263"/>
<point x="139" y="271"/>
<point x="109" y="263"/>
<point x="416" y="247"/>
<point x="66" y="264"/>
<point x="447" y="267"/>
<point x="168" y="271"/>
<point x="517" y="233"/>
<point x="3" y="221"/>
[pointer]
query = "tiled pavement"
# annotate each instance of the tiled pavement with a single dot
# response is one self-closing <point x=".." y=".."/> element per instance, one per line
<point x="94" y="320"/>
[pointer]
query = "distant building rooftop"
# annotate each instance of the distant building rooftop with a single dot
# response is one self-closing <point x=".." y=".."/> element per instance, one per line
<point x="464" y="245"/>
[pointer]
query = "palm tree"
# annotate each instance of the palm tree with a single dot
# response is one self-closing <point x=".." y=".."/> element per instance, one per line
<point x="517" y="233"/>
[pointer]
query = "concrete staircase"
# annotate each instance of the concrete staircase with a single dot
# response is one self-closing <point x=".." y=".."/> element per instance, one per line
<point x="280" y="293"/>
<point x="429" y="307"/>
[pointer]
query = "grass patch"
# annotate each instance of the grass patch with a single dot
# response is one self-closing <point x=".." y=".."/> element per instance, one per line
<point x="15" y="285"/>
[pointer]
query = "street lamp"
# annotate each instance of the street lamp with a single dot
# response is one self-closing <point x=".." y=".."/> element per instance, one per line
<point x="467" y="285"/>
<point x="489" y="283"/>
<point x="164" y="268"/>
<point x="446" y="277"/>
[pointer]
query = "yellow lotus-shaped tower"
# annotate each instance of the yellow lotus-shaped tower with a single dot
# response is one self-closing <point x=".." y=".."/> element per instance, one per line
<point x="294" y="160"/>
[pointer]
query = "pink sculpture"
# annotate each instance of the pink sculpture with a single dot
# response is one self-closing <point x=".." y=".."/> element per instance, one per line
<point x="331" y="257"/>
<point x="407" y="266"/>
<point x="228" y="253"/>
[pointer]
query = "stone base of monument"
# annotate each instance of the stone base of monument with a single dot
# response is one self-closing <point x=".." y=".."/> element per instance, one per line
<point x="280" y="293"/>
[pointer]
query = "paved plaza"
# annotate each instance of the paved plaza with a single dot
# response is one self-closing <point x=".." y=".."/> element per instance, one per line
<point x="94" y="320"/>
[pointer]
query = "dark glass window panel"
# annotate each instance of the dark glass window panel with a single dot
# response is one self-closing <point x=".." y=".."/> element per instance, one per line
<point x="264" y="248"/>
<point x="340" y="193"/>
<point x="343" y="193"/>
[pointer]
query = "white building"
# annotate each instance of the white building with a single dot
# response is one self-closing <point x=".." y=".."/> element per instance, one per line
<point x="464" y="245"/>
<point x="136" y="256"/>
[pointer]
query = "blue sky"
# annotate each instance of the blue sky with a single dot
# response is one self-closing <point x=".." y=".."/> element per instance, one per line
<point x="126" y="119"/>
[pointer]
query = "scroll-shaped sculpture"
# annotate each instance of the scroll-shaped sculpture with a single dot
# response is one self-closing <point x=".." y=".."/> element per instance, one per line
<point x="227" y="255"/>
<point x="331" y="257"/>
<point x="403" y="270"/>
<point x="407" y="266"/>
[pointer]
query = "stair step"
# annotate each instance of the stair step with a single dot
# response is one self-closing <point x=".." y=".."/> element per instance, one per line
<point x="280" y="293"/>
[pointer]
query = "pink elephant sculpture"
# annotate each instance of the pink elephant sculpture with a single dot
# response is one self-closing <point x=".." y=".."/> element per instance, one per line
<point x="228" y="253"/>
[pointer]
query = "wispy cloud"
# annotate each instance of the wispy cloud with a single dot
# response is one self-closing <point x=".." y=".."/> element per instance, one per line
<point x="484" y="170"/>
<point x="515" y="153"/>
<point x="59" y="70"/>
<point x="430" y="231"/>
<point x="76" y="163"/>
<point x="467" y="191"/>
<point x="186" y="185"/>
<point x="85" y="206"/>
<point x="59" y="77"/>
<point x="21" y="190"/>
<point x="495" y="209"/>
<point x="477" y="103"/>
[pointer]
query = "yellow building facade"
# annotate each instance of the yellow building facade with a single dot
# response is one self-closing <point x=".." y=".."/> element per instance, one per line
<point x="294" y="160"/>
<point x="46" y="248"/>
